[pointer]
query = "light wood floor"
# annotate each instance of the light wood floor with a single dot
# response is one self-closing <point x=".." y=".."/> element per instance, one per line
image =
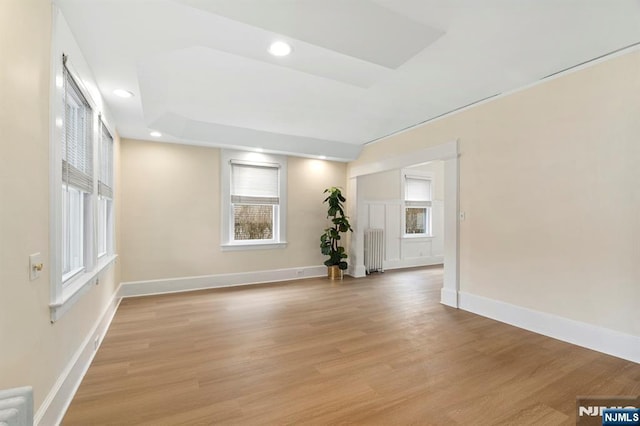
<point x="378" y="350"/>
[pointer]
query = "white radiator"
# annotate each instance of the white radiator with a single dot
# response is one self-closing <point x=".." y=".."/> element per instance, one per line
<point x="373" y="250"/>
<point x="16" y="407"/>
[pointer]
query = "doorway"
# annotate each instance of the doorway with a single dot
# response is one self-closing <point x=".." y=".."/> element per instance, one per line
<point x="387" y="209"/>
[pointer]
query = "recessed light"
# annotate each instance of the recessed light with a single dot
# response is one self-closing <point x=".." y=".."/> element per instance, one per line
<point x="259" y="150"/>
<point x="322" y="157"/>
<point x="155" y="134"/>
<point x="123" y="93"/>
<point x="280" y="48"/>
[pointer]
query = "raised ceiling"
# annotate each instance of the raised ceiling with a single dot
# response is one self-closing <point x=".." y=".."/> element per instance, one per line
<point x="360" y="69"/>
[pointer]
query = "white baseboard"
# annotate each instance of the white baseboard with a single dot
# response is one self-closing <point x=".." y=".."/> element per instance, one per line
<point x="413" y="262"/>
<point x="57" y="401"/>
<point x="449" y="297"/>
<point x="176" y="285"/>
<point x="621" y="345"/>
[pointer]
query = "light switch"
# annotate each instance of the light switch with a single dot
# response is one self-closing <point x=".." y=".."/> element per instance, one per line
<point x="35" y="266"/>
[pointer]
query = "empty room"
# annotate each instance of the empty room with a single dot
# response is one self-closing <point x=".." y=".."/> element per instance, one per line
<point x="258" y="212"/>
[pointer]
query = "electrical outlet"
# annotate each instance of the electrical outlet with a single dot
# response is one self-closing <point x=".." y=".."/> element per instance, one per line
<point x="463" y="216"/>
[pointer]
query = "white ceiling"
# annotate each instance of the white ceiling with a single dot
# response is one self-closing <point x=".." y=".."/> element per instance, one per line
<point x="360" y="69"/>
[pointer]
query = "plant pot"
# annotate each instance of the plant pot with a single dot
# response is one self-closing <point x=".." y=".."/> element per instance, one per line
<point x="334" y="272"/>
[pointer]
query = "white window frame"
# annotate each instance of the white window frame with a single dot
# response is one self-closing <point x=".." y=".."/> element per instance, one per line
<point x="227" y="157"/>
<point x="66" y="290"/>
<point x="104" y="219"/>
<point x="105" y="224"/>
<point x="428" y="205"/>
<point x="85" y="232"/>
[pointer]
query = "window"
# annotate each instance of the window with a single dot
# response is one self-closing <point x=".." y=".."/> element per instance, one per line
<point x="105" y="193"/>
<point x="417" y="205"/>
<point x="81" y="243"/>
<point x="255" y="201"/>
<point x="254" y="190"/>
<point x="77" y="178"/>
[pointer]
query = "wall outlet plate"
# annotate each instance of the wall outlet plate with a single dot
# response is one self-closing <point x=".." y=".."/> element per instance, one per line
<point x="35" y="266"/>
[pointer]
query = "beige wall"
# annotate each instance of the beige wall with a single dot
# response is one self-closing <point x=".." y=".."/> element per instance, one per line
<point x="381" y="186"/>
<point x="549" y="183"/>
<point x="33" y="350"/>
<point x="386" y="186"/>
<point x="171" y="213"/>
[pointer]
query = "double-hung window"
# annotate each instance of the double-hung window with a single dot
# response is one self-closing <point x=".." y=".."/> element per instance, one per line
<point x="417" y="206"/>
<point x="105" y="192"/>
<point x="255" y="201"/>
<point x="254" y="194"/>
<point x="77" y="179"/>
<point x="82" y="235"/>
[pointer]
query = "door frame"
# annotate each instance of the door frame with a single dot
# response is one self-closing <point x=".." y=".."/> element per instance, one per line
<point x="448" y="153"/>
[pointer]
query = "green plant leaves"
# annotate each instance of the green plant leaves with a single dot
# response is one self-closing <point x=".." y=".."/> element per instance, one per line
<point x="329" y="240"/>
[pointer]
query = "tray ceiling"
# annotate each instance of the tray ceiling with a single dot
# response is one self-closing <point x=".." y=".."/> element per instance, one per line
<point x="360" y="69"/>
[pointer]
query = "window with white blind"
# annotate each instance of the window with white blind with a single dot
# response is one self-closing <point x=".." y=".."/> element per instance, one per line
<point x="254" y="190"/>
<point x="82" y="231"/>
<point x="417" y="206"/>
<point x="77" y="179"/>
<point x="105" y="193"/>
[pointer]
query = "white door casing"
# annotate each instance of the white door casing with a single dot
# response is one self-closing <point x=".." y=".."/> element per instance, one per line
<point x="448" y="153"/>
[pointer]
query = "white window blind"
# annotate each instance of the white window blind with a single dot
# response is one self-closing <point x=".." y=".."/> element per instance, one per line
<point x="417" y="191"/>
<point x="105" y="177"/>
<point x="254" y="184"/>
<point x="77" y="148"/>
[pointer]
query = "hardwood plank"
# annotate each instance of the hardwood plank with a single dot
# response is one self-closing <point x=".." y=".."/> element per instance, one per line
<point x="378" y="350"/>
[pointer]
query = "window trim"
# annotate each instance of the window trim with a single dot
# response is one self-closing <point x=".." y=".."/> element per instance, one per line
<point x="65" y="292"/>
<point x="227" y="157"/>
<point x="77" y="285"/>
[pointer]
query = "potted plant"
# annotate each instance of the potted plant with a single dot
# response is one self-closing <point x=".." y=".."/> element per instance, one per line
<point x="330" y="240"/>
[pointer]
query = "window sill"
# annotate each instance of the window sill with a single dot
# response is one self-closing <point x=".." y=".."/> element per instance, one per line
<point x="418" y="237"/>
<point x="78" y="286"/>
<point x="72" y="275"/>
<point x="253" y="246"/>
